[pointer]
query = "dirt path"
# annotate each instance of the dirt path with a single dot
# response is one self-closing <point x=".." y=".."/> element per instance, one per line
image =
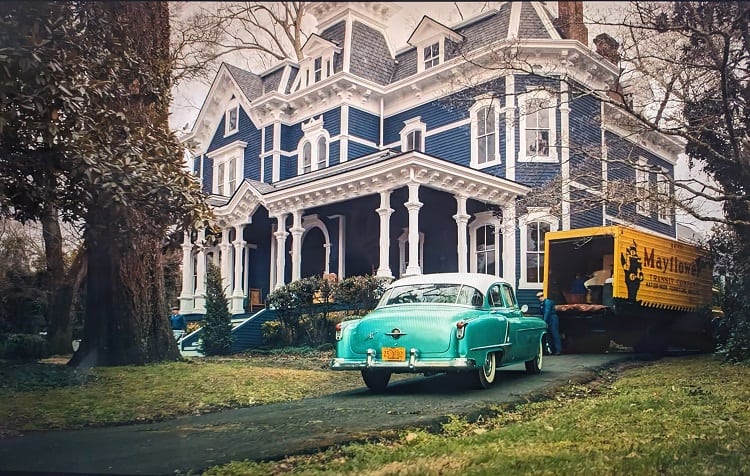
<point x="273" y="431"/>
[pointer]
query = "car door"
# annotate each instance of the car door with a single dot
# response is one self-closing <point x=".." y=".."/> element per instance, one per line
<point x="525" y="331"/>
<point x="501" y="309"/>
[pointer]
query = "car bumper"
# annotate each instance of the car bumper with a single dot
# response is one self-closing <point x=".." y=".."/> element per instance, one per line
<point x="412" y="364"/>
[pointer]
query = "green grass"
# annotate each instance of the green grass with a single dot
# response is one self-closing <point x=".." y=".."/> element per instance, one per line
<point x="678" y="416"/>
<point x="45" y="396"/>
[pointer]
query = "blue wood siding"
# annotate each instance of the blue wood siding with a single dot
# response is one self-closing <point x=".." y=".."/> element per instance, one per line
<point x="585" y="140"/>
<point x="334" y="153"/>
<point x="252" y="155"/>
<point x="453" y="145"/>
<point x="269" y="139"/>
<point x="332" y="121"/>
<point x="290" y="137"/>
<point x="288" y="167"/>
<point x="357" y="150"/>
<point x="434" y="114"/>
<point x="585" y="209"/>
<point x="364" y="125"/>
<point x="208" y="174"/>
<point x="268" y="169"/>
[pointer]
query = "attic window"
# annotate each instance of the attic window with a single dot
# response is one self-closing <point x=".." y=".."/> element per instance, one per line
<point x="232" y="120"/>
<point x="431" y="55"/>
<point x="318" y="68"/>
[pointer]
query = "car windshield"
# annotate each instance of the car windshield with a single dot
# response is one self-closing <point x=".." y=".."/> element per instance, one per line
<point x="432" y="293"/>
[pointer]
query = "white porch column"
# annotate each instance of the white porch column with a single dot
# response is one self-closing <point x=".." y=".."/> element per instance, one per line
<point x="462" y="218"/>
<point x="280" y="235"/>
<point x="200" y="287"/>
<point x="509" y="243"/>
<point x="297" y="231"/>
<point x="238" y="293"/>
<point x="226" y="271"/>
<point x="186" y="295"/>
<point x="565" y="153"/>
<point x="413" y="205"/>
<point x="385" y="211"/>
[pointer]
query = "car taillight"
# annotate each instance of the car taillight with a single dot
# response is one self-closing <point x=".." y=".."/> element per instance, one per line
<point x="461" y="329"/>
<point x="338" y="331"/>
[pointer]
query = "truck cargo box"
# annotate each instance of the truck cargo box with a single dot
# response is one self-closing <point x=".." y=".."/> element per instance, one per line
<point x="639" y="283"/>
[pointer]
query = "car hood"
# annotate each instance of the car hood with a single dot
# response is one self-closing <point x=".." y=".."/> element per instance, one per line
<point x="428" y="328"/>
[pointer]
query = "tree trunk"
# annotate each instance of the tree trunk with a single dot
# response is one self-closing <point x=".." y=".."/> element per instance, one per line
<point x="59" y="287"/>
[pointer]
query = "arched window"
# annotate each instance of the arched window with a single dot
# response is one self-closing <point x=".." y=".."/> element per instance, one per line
<point x="486" y="243"/>
<point x="322" y="152"/>
<point x="313" y="148"/>
<point x="485" y="138"/>
<point x="534" y="226"/>
<point x="413" y="135"/>
<point x="306" y="157"/>
<point x="485" y="251"/>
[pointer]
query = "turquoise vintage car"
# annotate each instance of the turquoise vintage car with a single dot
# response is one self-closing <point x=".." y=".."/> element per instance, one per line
<point x="444" y="322"/>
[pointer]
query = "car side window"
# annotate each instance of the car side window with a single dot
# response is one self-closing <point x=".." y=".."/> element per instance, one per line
<point x="508" y="296"/>
<point x="469" y="296"/>
<point x="496" y="299"/>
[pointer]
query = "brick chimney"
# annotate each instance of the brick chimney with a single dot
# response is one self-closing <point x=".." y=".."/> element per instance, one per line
<point x="570" y="21"/>
<point x="607" y="47"/>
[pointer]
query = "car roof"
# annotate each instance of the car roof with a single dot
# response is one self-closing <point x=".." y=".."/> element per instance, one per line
<point x="477" y="280"/>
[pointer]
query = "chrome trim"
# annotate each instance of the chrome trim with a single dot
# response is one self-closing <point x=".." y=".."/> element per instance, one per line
<point x="412" y="365"/>
<point x="485" y="347"/>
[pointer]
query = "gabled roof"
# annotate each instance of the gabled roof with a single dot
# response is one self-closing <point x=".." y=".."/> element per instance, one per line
<point x="316" y="43"/>
<point x="249" y="83"/>
<point x="429" y="28"/>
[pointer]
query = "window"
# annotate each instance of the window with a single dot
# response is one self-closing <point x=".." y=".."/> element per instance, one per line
<point x="508" y="297"/>
<point x="664" y="203"/>
<point x="231" y="176"/>
<point x="431" y="55"/>
<point x="313" y="148"/>
<point x="485" y="120"/>
<point x="306" y="158"/>
<point x="642" y="205"/>
<point x="534" y="226"/>
<point x="486" y="135"/>
<point x="228" y="167"/>
<point x="535" y="232"/>
<point x="412" y="135"/>
<point x="220" y="179"/>
<point x="538" y="123"/>
<point x="232" y="120"/>
<point x="322" y="152"/>
<point x="495" y="296"/>
<point x="485" y="250"/>
<point x="318" y="69"/>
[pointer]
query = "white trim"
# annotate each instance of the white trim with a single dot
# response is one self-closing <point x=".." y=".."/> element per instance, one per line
<point x="313" y="133"/>
<point x="661" y="182"/>
<point x="565" y="154"/>
<point x="313" y="221"/>
<point x="551" y="108"/>
<point x="551" y="30"/>
<point x="633" y="137"/>
<point x="634" y="226"/>
<point x="481" y="103"/>
<point x="515" y="20"/>
<point x="534" y="215"/>
<point x="403" y="252"/>
<point x="510" y="136"/>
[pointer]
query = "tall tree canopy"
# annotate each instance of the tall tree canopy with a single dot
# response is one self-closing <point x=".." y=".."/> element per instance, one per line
<point x="84" y="94"/>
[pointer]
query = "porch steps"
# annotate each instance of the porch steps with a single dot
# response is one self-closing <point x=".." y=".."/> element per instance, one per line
<point x="247" y="333"/>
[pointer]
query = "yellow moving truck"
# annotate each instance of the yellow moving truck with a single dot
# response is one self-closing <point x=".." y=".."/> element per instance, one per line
<point x="642" y="290"/>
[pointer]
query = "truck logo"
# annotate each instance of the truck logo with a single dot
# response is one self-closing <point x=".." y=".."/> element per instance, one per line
<point x="633" y="267"/>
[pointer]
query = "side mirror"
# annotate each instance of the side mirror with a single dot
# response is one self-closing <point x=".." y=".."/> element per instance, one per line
<point x="524" y="308"/>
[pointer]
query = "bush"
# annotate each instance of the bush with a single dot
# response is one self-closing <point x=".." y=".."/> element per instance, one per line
<point x="732" y="263"/>
<point x="23" y="347"/>
<point x="217" y="328"/>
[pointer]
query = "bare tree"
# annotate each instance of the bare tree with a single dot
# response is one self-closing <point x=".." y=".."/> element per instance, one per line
<point x="262" y="32"/>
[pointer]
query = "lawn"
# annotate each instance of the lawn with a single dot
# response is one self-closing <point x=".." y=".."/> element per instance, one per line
<point x="49" y="395"/>
<point x="678" y="416"/>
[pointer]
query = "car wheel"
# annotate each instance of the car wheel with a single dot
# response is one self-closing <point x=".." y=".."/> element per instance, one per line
<point x="534" y="366"/>
<point x="486" y="374"/>
<point x="376" y="380"/>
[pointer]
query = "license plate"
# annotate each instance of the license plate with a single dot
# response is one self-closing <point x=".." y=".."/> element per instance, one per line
<point x="393" y="353"/>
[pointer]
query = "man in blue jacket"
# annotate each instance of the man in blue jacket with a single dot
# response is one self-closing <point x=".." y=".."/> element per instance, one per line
<point x="547" y="308"/>
<point x="178" y="323"/>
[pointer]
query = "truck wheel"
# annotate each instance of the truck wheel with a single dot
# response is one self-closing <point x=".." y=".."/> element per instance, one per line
<point x="376" y="380"/>
<point x="534" y="366"/>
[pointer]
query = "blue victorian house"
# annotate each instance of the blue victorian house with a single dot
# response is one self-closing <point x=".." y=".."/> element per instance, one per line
<point x="362" y="159"/>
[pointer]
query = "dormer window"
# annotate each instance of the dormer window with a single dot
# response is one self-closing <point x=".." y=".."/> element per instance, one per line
<point x="232" y="120"/>
<point x="313" y="148"/>
<point x="228" y="167"/>
<point x="317" y="65"/>
<point x="431" y="55"/>
<point x="429" y="38"/>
